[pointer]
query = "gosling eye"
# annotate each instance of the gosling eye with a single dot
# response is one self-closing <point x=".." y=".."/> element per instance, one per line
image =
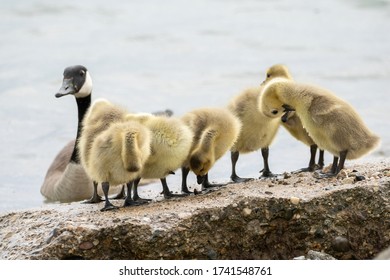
<point x="268" y="75"/>
<point x="274" y="111"/>
<point x="82" y="73"/>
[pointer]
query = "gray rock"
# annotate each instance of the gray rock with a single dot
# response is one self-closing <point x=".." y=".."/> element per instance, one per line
<point x="384" y="255"/>
<point x="314" y="255"/>
<point x="340" y="244"/>
<point x="239" y="221"/>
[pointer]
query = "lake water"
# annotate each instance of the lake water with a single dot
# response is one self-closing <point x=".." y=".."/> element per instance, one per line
<point x="152" y="55"/>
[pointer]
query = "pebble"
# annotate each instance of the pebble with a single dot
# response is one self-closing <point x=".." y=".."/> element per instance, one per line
<point x="86" y="245"/>
<point x="342" y="174"/>
<point x="360" y="178"/>
<point x="314" y="255"/>
<point x="246" y="212"/>
<point x="214" y="218"/>
<point x="340" y="244"/>
<point x="295" y="200"/>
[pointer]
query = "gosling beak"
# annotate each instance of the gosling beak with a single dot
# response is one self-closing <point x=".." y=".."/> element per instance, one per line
<point x="199" y="179"/>
<point x="66" y="88"/>
<point x="285" y="116"/>
<point x="287" y="108"/>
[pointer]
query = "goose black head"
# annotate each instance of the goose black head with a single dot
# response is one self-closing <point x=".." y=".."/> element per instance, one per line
<point x="77" y="82"/>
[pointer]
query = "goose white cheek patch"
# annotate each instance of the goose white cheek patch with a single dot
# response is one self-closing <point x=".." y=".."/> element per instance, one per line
<point x="86" y="89"/>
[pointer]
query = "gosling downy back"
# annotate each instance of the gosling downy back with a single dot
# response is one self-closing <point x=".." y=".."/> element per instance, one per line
<point x="171" y="141"/>
<point x="331" y="122"/>
<point x="118" y="154"/>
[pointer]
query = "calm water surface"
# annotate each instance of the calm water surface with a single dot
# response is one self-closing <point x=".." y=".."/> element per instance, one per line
<point x="152" y="55"/>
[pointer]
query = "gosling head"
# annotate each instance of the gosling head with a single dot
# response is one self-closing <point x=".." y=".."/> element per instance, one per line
<point x="200" y="165"/>
<point x="77" y="82"/>
<point x="277" y="71"/>
<point x="271" y="105"/>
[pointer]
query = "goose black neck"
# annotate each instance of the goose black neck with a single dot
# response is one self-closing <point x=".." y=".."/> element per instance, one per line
<point x="83" y="104"/>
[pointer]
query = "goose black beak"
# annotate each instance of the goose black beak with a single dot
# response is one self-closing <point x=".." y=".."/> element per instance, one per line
<point x="66" y="88"/>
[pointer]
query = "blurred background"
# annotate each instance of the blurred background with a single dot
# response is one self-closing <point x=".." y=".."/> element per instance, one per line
<point x="179" y="55"/>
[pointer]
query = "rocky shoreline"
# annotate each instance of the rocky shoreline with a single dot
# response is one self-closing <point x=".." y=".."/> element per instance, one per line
<point x="347" y="217"/>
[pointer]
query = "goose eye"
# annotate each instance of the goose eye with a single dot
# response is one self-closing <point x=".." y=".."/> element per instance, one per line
<point x="274" y="112"/>
<point x="82" y="73"/>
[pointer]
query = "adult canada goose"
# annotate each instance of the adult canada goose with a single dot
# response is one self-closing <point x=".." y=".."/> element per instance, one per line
<point x="215" y="131"/>
<point x="292" y="123"/>
<point x="66" y="179"/>
<point x="331" y="122"/>
<point x="113" y="151"/>
<point x="171" y="141"/>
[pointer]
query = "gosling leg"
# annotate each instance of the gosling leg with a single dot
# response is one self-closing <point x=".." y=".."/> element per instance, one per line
<point x="321" y="159"/>
<point x="129" y="201"/>
<point x="343" y="156"/>
<point x="234" y="177"/>
<point x="108" y="205"/>
<point x="206" y="183"/>
<point x="167" y="193"/>
<point x="312" y="162"/>
<point x="184" y="175"/>
<point x="135" y="192"/>
<point x="336" y="166"/>
<point x="95" y="197"/>
<point x="266" y="172"/>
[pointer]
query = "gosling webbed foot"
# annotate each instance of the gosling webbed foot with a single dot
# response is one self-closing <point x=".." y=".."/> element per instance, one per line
<point x="204" y="191"/>
<point x="307" y="169"/>
<point x="94" y="199"/>
<point x="186" y="191"/>
<point x="168" y="195"/>
<point x="142" y="200"/>
<point x="109" y="206"/>
<point x="321" y="175"/>
<point x="267" y="174"/>
<point x="208" y="185"/>
<point x="131" y="202"/>
<point x="237" y="179"/>
<point x="204" y="180"/>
